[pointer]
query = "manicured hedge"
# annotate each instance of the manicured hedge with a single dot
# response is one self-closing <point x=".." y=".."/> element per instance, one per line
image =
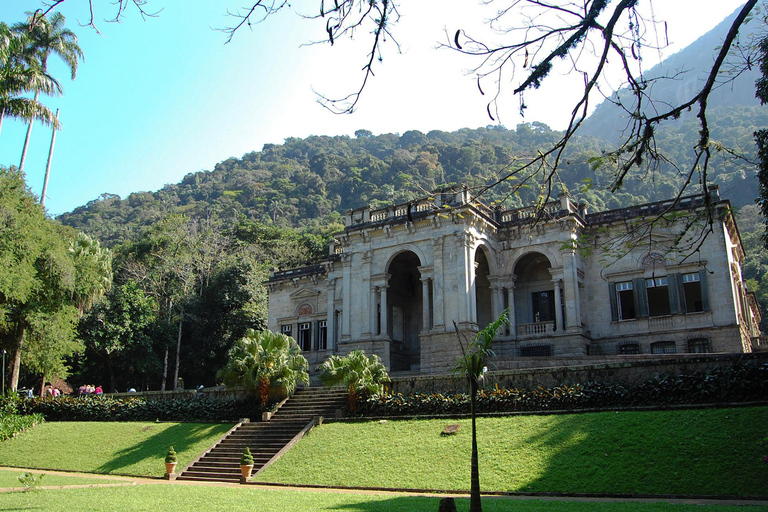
<point x="138" y="409"/>
<point x="721" y="385"/>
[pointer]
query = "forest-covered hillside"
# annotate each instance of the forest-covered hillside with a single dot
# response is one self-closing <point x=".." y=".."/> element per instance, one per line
<point x="308" y="182"/>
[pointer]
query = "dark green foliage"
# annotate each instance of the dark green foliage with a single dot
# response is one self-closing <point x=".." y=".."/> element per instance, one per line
<point x="722" y="385"/>
<point x="12" y="424"/>
<point x="246" y="459"/>
<point x="170" y="457"/>
<point x="138" y="409"/>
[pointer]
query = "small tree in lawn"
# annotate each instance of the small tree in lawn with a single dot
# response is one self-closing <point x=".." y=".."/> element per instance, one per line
<point x="263" y="360"/>
<point x="472" y="366"/>
<point x="359" y="373"/>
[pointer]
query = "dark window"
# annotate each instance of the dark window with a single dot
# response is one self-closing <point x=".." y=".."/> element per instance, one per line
<point x="693" y="295"/>
<point x="658" y="296"/>
<point x="625" y="299"/>
<point x="663" y="347"/>
<point x="305" y="336"/>
<point x="543" y="306"/>
<point x="322" y="334"/>
<point x="698" y="345"/>
<point x="629" y="348"/>
<point x="286" y="329"/>
<point x="536" y="351"/>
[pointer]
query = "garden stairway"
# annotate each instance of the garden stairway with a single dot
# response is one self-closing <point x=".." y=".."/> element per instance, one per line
<point x="267" y="439"/>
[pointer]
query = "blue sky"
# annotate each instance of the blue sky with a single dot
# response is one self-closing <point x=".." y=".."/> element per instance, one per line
<point x="159" y="98"/>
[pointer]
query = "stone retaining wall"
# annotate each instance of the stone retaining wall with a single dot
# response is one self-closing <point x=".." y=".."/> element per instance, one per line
<point x="553" y="372"/>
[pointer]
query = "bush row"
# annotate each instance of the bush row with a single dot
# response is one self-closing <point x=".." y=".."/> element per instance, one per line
<point x="12" y="424"/>
<point x="137" y="409"/>
<point x="721" y="385"/>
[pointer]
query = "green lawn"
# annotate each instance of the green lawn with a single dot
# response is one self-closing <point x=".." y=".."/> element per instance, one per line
<point x="11" y="479"/>
<point x="135" y="448"/>
<point x="704" y="452"/>
<point x="181" y="498"/>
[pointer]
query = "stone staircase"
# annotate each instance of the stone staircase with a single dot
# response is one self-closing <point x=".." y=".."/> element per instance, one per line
<point x="267" y="440"/>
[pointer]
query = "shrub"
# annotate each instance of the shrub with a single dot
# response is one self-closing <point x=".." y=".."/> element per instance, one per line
<point x="138" y="409"/>
<point x="719" y="385"/>
<point x="246" y="459"/>
<point x="170" y="457"/>
<point x="12" y="424"/>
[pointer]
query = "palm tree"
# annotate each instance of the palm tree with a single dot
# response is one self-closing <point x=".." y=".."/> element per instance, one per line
<point x="19" y="75"/>
<point x="93" y="267"/>
<point x="263" y="360"/>
<point x="46" y="36"/>
<point x="472" y="366"/>
<point x="359" y="373"/>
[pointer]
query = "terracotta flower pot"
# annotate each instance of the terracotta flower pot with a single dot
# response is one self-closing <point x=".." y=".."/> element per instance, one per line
<point x="170" y="467"/>
<point x="245" y="470"/>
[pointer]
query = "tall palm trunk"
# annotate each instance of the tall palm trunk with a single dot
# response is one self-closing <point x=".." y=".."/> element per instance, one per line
<point x="26" y="139"/>
<point x="48" y="165"/>
<point x="178" y="351"/>
<point x="474" y="490"/>
<point x="165" y="369"/>
<point x="2" y="116"/>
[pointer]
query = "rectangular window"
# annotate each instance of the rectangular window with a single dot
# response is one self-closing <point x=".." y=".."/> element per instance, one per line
<point x="693" y="294"/>
<point x="658" y="296"/>
<point x="629" y="348"/>
<point x="698" y="345"/>
<point x="663" y="347"/>
<point x="286" y="329"/>
<point x="537" y="351"/>
<point x="625" y="300"/>
<point x="305" y="336"/>
<point x="322" y="334"/>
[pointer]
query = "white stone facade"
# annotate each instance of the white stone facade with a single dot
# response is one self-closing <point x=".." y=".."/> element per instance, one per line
<point x="400" y="281"/>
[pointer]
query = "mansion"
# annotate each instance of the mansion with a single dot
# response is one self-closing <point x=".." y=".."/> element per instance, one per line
<point x="408" y="281"/>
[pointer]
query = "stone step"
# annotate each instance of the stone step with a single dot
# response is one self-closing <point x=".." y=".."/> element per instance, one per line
<point x="265" y="439"/>
<point x="209" y="477"/>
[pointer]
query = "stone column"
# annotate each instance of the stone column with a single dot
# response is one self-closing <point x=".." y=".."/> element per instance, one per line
<point x="329" y="313"/>
<point x="497" y="300"/>
<point x="557" y="275"/>
<point x="425" y="304"/>
<point x="466" y="266"/>
<point x="384" y="312"/>
<point x="571" y="290"/>
<point x="438" y="282"/>
<point x="558" y="308"/>
<point x="346" y="285"/>
<point x="511" y="306"/>
<point x="374" y="311"/>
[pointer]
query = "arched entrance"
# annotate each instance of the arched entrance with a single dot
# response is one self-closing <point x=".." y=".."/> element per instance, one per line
<point x="405" y="302"/>
<point x="482" y="289"/>
<point x="534" y="295"/>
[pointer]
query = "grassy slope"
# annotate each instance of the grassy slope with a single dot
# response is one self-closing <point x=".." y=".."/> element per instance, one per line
<point x="119" y="448"/>
<point x="182" y="498"/>
<point x="678" y="452"/>
<point x="11" y="479"/>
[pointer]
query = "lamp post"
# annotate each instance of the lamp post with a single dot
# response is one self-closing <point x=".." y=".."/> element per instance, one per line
<point x="3" y="372"/>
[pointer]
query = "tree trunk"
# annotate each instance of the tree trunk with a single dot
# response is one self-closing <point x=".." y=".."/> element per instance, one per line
<point x="178" y="351"/>
<point x="48" y="165"/>
<point x="474" y="489"/>
<point x="2" y="116"/>
<point x="111" y="367"/>
<point x="16" y="366"/>
<point x="26" y="139"/>
<point x="165" y="369"/>
<point x="264" y="393"/>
